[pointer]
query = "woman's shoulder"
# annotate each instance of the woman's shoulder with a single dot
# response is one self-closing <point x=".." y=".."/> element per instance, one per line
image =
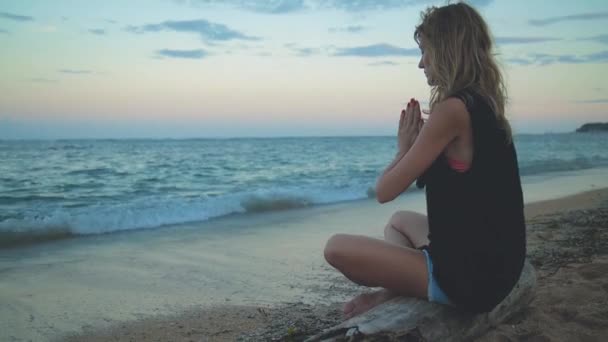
<point x="468" y="96"/>
<point x="452" y="108"/>
<point x="476" y="106"/>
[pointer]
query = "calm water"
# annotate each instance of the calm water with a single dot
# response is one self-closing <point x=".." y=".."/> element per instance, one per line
<point x="78" y="187"/>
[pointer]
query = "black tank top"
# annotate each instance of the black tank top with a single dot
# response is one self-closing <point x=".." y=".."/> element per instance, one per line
<point x="476" y="219"/>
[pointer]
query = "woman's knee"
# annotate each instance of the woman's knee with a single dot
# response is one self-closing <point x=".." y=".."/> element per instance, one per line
<point x="398" y="221"/>
<point x="411" y="225"/>
<point x="336" y="248"/>
<point x="402" y="216"/>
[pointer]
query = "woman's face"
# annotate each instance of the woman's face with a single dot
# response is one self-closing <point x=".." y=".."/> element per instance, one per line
<point x="425" y="63"/>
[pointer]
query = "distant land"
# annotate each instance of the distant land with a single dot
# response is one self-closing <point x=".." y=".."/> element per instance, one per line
<point x="593" y="127"/>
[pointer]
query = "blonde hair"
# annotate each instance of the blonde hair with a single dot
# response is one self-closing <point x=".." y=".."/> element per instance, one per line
<point x="460" y="46"/>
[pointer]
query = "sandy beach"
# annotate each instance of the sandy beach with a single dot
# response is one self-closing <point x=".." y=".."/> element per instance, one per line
<point x="567" y="244"/>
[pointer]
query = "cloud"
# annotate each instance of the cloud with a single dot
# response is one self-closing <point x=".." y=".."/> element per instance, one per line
<point x="602" y="38"/>
<point x="370" y="5"/>
<point x="207" y="30"/>
<point x="292" y="6"/>
<point x="42" y="80"/>
<point x="519" y="61"/>
<point x="15" y="17"/>
<point x="480" y="3"/>
<point x="383" y="63"/>
<point x="601" y="56"/>
<point x="191" y="54"/>
<point x="524" y="40"/>
<point x="348" y="29"/>
<point x="74" y="71"/>
<point x="377" y="50"/>
<point x="276" y="7"/>
<point x="605" y="100"/>
<point x="270" y="7"/>
<point x="99" y="32"/>
<point x="566" y="59"/>
<point x="574" y="17"/>
<point x="304" y="52"/>
<point x="4" y="31"/>
<point x="546" y="59"/>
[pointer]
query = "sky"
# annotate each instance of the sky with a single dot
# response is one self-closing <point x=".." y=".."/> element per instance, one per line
<point x="247" y="68"/>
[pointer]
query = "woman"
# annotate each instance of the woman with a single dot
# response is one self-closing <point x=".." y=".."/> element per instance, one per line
<point x="468" y="251"/>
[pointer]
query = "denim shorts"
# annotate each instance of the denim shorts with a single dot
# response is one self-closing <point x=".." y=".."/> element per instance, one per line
<point x="434" y="292"/>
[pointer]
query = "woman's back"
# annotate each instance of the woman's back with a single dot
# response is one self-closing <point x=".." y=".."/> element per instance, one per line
<point x="476" y="221"/>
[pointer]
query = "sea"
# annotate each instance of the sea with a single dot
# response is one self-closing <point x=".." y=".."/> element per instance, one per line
<point x="54" y="189"/>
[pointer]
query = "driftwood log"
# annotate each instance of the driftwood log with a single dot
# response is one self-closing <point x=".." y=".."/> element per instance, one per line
<point x="409" y="319"/>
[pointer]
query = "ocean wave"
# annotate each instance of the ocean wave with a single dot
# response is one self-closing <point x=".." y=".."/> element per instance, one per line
<point x="371" y="192"/>
<point x="68" y="147"/>
<point x="30" y="198"/>
<point x="146" y="213"/>
<point x="100" y="171"/>
<point x="257" y="204"/>
<point x="78" y="186"/>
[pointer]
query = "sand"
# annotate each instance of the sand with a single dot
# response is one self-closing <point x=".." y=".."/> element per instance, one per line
<point x="567" y="243"/>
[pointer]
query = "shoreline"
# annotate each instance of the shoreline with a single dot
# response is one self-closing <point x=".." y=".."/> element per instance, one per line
<point x="535" y="187"/>
<point x="581" y="262"/>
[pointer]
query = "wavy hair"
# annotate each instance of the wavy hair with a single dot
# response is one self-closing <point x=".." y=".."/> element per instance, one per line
<point x="460" y="49"/>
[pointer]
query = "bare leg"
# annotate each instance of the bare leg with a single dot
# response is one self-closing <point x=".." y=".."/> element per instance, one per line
<point x="407" y="228"/>
<point x="404" y="231"/>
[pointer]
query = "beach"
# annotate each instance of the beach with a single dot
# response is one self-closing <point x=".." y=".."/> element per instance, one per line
<point x="567" y="244"/>
<point x="173" y="170"/>
<point x="262" y="276"/>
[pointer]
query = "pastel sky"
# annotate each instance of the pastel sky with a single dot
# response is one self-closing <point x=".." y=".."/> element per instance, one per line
<point x="208" y="68"/>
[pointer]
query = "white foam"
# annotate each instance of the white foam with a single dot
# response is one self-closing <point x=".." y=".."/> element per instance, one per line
<point x="151" y="213"/>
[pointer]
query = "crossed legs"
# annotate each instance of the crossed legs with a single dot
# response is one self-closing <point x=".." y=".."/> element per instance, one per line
<point x="394" y="264"/>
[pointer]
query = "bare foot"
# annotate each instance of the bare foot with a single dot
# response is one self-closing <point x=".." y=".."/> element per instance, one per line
<point x="366" y="301"/>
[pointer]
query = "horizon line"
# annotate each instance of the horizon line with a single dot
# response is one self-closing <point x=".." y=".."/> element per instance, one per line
<point x="246" y="137"/>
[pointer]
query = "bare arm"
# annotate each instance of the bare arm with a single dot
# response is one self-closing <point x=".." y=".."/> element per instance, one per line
<point x="398" y="157"/>
<point x="443" y="126"/>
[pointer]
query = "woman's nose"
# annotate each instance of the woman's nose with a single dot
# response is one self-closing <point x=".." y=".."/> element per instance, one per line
<point x="420" y="64"/>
